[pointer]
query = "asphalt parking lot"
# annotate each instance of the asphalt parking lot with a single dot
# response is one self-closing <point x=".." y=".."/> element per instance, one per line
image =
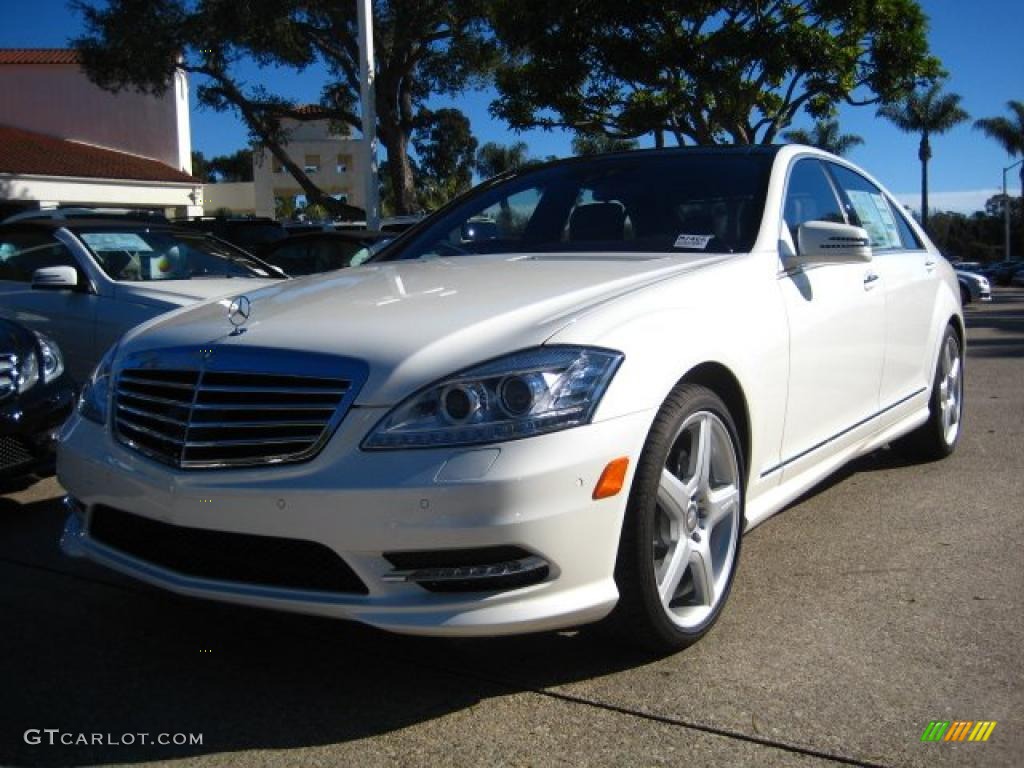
<point x="888" y="598"/>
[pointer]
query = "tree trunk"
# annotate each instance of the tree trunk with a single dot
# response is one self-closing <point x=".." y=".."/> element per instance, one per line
<point x="924" y="153"/>
<point x="396" y="142"/>
<point x="659" y="138"/>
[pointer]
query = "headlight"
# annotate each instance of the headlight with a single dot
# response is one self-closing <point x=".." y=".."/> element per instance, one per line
<point x="523" y="394"/>
<point x="28" y="372"/>
<point x="53" y="360"/>
<point x="94" y="402"/>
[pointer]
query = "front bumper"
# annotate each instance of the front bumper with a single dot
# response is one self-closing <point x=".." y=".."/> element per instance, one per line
<point x="29" y="424"/>
<point x="533" y="495"/>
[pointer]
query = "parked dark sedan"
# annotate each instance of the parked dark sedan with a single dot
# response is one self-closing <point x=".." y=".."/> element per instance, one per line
<point x="36" y="397"/>
<point x="314" y="252"/>
<point x="254" y="234"/>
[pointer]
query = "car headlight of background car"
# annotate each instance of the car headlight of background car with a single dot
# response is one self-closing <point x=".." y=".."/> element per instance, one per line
<point x="52" y="359"/>
<point x="94" y="402"/>
<point x="519" y="395"/>
<point x="30" y="371"/>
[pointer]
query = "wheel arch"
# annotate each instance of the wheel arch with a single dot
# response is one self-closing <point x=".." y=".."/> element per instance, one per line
<point x="724" y="383"/>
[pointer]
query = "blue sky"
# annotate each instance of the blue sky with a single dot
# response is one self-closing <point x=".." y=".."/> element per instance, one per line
<point x="981" y="44"/>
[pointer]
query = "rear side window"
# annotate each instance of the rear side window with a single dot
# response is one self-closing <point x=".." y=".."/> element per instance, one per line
<point x="22" y="253"/>
<point x="907" y="235"/>
<point x="869" y="208"/>
<point x="810" y="197"/>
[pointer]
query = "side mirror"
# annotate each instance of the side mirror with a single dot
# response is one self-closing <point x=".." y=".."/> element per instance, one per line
<point x="825" y="242"/>
<point x="55" y="279"/>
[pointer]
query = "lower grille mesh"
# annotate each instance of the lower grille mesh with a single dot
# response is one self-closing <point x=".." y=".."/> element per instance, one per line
<point x="223" y="556"/>
<point x="14" y="453"/>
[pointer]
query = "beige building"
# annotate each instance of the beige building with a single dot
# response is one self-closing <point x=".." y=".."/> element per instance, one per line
<point x="65" y="141"/>
<point x="326" y="151"/>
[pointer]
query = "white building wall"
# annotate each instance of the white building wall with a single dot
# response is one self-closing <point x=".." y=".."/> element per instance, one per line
<point x="184" y="199"/>
<point x="307" y="138"/>
<point x="59" y="100"/>
<point x="239" y="197"/>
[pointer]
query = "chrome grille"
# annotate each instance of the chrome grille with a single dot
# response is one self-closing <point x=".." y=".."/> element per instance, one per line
<point x="211" y="418"/>
<point x="8" y="375"/>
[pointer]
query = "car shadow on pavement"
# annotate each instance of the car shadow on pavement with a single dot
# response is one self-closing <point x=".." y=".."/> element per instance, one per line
<point x="86" y="652"/>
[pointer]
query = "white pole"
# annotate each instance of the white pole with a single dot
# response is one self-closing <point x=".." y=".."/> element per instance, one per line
<point x="369" y="112"/>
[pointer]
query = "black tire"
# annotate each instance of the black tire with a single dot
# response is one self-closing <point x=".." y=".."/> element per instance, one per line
<point x="931" y="441"/>
<point x="965" y="296"/>
<point x="639" y="618"/>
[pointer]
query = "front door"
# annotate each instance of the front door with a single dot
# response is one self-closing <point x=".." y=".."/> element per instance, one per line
<point x="836" y="318"/>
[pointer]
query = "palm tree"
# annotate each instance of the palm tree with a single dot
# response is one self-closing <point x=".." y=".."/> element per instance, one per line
<point x="493" y="159"/>
<point x="1007" y="131"/>
<point x="927" y="112"/>
<point x="825" y="136"/>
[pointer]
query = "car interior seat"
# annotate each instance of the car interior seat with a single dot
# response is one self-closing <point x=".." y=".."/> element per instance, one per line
<point x="597" y="221"/>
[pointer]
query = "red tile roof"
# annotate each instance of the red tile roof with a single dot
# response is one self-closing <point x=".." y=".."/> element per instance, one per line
<point x="25" y="152"/>
<point x="38" y="56"/>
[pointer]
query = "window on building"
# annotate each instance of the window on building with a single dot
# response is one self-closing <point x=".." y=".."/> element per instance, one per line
<point x="275" y="165"/>
<point x="343" y="163"/>
<point x="312" y="163"/>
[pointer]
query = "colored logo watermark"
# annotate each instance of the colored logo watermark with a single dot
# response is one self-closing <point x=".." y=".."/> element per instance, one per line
<point x="958" y="730"/>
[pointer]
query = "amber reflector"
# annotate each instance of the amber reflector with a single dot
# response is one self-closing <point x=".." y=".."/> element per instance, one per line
<point x="612" y="478"/>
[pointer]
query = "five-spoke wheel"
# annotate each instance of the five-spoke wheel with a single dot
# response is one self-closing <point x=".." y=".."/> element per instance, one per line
<point x="681" y="537"/>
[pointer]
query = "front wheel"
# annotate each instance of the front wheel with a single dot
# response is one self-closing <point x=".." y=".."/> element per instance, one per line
<point x="938" y="437"/>
<point x="681" y="535"/>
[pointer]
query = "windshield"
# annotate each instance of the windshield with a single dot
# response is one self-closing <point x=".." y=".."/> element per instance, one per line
<point x="134" y="255"/>
<point x="657" y="202"/>
<point x="255" y="233"/>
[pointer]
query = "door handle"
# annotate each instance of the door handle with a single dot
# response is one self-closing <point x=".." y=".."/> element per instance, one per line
<point x="870" y="278"/>
<point x="930" y="265"/>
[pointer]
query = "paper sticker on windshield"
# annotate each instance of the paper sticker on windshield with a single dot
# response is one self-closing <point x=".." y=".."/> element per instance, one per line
<point x="697" y="242"/>
<point x="116" y="241"/>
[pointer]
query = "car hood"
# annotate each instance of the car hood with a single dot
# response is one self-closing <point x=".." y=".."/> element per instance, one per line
<point x="414" y="322"/>
<point x="180" y="293"/>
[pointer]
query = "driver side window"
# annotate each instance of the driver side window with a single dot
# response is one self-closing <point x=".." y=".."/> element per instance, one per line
<point x="22" y="253"/>
<point x="810" y="197"/>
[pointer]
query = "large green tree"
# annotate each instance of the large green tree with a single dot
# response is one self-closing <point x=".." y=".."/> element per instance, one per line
<point x="703" y="71"/>
<point x="825" y="135"/>
<point x="599" y="143"/>
<point x="422" y="47"/>
<point x="234" y="167"/>
<point x="927" y="112"/>
<point x="1008" y="132"/>
<point x="493" y="159"/>
<point x="446" y="149"/>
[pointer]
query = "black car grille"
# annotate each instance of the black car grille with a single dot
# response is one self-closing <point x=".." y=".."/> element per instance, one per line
<point x="14" y="453"/>
<point x="8" y="375"/>
<point x="242" y="558"/>
<point x="193" y="418"/>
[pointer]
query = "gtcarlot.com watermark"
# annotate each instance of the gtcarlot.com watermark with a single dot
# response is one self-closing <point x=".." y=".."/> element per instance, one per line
<point x="56" y="737"/>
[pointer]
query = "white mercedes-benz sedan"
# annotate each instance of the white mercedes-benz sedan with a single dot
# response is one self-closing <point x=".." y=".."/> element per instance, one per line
<point x="560" y="399"/>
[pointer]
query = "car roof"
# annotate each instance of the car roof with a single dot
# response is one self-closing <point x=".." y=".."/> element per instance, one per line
<point x="91" y="222"/>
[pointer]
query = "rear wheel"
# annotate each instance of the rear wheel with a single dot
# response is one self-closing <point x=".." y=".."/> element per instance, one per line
<point x="681" y="535"/>
<point x="938" y="437"/>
